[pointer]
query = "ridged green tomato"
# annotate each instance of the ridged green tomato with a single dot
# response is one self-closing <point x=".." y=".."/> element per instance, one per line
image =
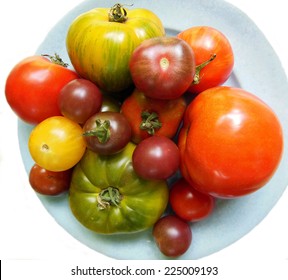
<point x="107" y="196"/>
<point x="100" y="43"/>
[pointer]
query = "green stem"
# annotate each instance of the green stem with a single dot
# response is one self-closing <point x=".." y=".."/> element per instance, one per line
<point x="56" y="59"/>
<point x="109" y="197"/>
<point x="101" y="131"/>
<point x="196" y="80"/>
<point x="117" y="14"/>
<point x="150" y="122"/>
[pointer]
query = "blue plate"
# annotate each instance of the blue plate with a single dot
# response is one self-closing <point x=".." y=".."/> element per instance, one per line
<point x="257" y="69"/>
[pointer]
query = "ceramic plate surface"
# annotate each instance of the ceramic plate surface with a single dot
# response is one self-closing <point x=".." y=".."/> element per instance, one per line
<point x="257" y="69"/>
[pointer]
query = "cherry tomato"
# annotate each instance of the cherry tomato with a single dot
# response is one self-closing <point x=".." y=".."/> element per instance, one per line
<point x="231" y="142"/>
<point x="188" y="203"/>
<point x="57" y="144"/>
<point x="163" y="67"/>
<point x="107" y="132"/>
<point x="33" y="86"/>
<point x="172" y="235"/>
<point x="213" y="55"/>
<point x="79" y="100"/>
<point x="48" y="182"/>
<point x="156" y="158"/>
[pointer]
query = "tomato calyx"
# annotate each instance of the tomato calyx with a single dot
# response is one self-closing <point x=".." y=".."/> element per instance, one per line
<point x="108" y="197"/>
<point x="102" y="131"/>
<point x="56" y="59"/>
<point x="117" y="13"/>
<point x="199" y="67"/>
<point x="150" y="122"/>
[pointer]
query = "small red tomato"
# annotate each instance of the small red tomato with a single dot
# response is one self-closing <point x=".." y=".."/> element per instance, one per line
<point x="49" y="182"/>
<point x="156" y="158"/>
<point x="172" y="235"/>
<point x="79" y="100"/>
<point x="188" y="203"/>
<point x="163" y="67"/>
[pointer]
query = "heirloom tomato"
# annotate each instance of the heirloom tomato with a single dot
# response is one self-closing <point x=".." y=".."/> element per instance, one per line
<point x="57" y="144"/>
<point x="231" y="142"/>
<point x="100" y="43"/>
<point x="79" y="100"/>
<point x="107" y="196"/>
<point x="49" y="182"/>
<point x="172" y="235"/>
<point x="33" y="86"/>
<point x="188" y="203"/>
<point x="213" y="55"/>
<point x="148" y="116"/>
<point x="156" y="158"/>
<point x="107" y="132"/>
<point x="163" y="67"/>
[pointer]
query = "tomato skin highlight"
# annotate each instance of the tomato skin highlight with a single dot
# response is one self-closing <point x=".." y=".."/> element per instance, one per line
<point x="32" y="88"/>
<point x="163" y="67"/>
<point x="205" y="42"/>
<point x="188" y="203"/>
<point x="231" y="142"/>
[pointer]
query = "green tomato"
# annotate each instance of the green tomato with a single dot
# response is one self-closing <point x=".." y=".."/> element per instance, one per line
<point x="107" y="196"/>
<point x="101" y="41"/>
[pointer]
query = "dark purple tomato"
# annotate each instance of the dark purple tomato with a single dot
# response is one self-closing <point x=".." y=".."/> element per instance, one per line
<point x="156" y="158"/>
<point x="79" y="100"/>
<point x="172" y="235"/>
<point x="163" y="67"/>
<point x="49" y="182"/>
<point x="107" y="132"/>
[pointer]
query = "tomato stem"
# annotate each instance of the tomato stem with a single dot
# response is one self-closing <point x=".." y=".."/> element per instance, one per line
<point x="117" y="13"/>
<point x="56" y="59"/>
<point x="108" y="197"/>
<point x="196" y="79"/>
<point x="101" y="131"/>
<point x="150" y="122"/>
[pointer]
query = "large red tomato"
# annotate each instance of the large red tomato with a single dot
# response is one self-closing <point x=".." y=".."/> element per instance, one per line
<point x="33" y="86"/>
<point x="213" y="56"/>
<point x="231" y="142"/>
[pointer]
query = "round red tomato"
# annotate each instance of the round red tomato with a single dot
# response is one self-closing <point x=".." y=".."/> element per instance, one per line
<point x="33" y="86"/>
<point x="79" y="100"/>
<point x="48" y="182"/>
<point x="156" y="158"/>
<point x="231" y="142"/>
<point x="163" y="67"/>
<point x="213" y="56"/>
<point x="188" y="203"/>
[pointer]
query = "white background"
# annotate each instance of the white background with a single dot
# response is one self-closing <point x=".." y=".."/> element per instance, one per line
<point x="28" y="232"/>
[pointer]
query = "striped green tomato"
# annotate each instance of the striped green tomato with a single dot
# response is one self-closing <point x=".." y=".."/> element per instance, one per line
<point x="100" y="43"/>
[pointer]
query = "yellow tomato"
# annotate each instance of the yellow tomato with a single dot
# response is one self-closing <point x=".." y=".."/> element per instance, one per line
<point x="100" y="42"/>
<point x="57" y="144"/>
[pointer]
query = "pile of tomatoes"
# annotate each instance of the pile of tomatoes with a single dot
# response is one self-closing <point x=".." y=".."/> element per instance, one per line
<point x="139" y="110"/>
